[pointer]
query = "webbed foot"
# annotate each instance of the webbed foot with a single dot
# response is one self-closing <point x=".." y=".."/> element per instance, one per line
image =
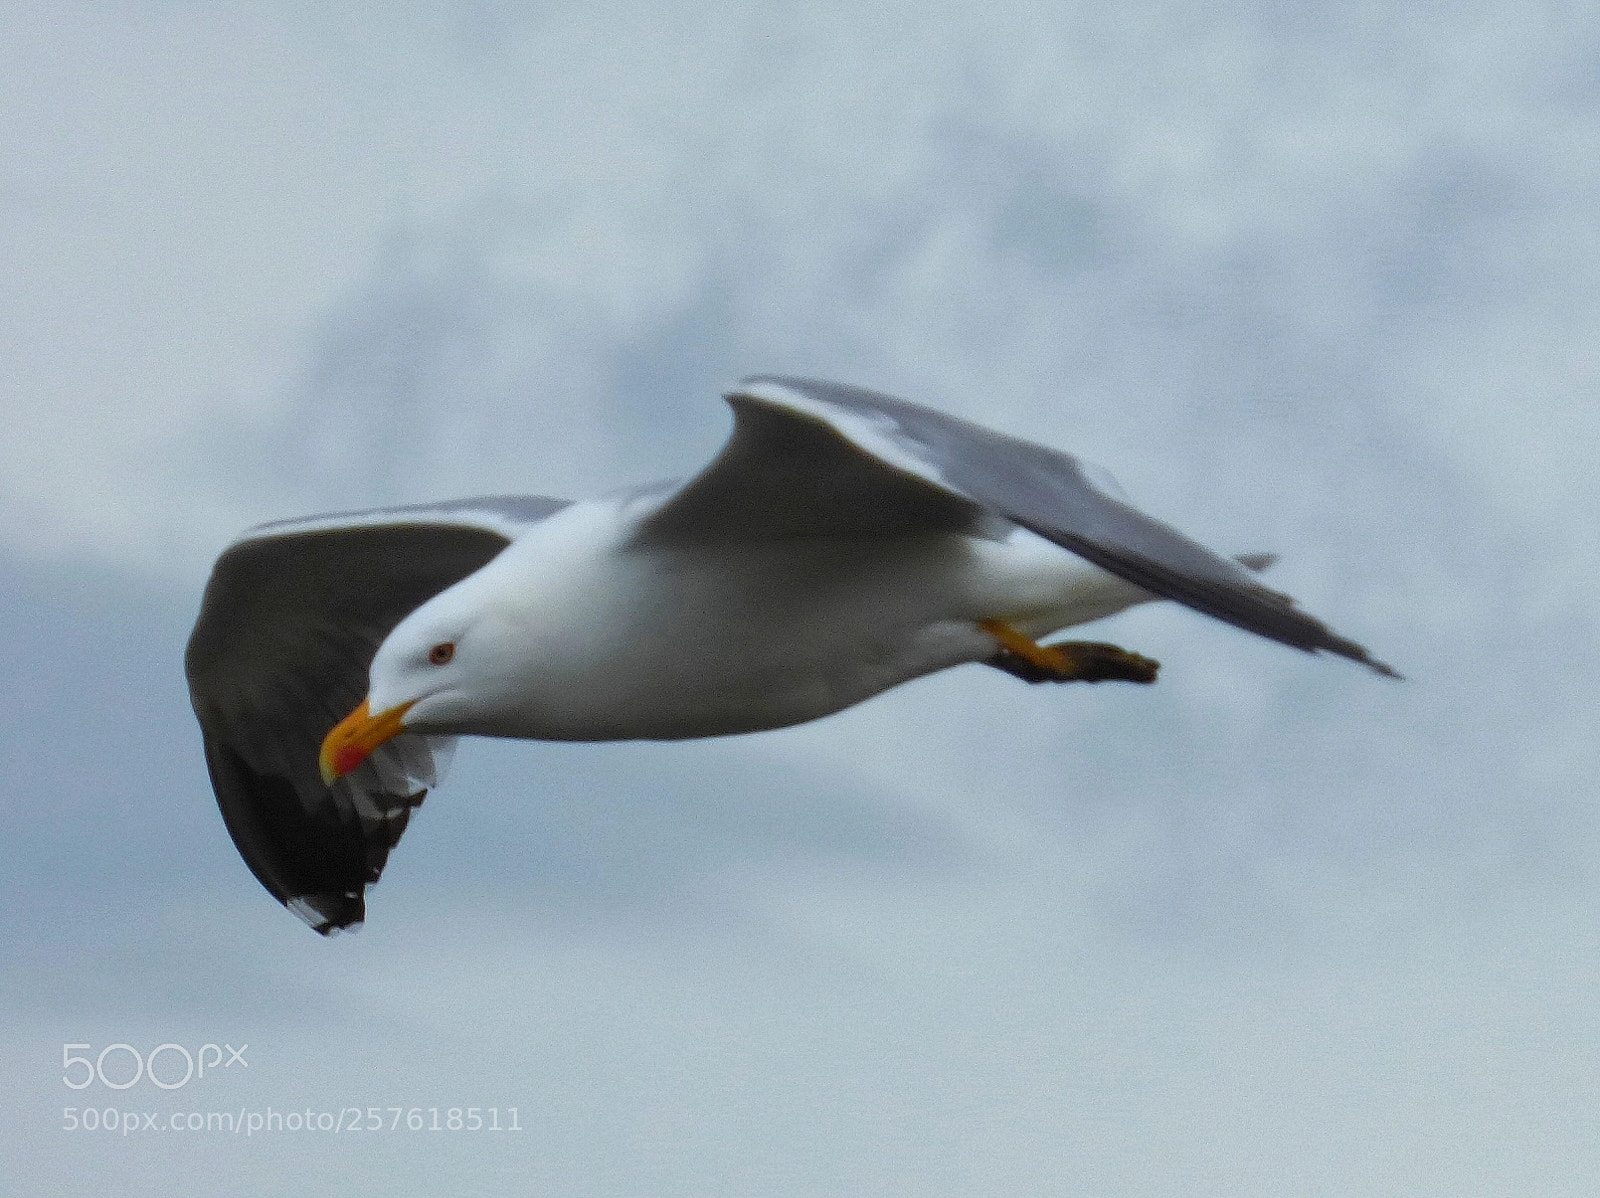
<point x="1066" y="661"/>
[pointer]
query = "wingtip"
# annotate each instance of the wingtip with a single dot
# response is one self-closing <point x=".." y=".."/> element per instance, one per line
<point x="1351" y="651"/>
<point x="1361" y="657"/>
<point x="328" y="914"/>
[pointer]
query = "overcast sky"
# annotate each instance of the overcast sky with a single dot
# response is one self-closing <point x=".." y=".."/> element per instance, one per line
<point x="1322" y="280"/>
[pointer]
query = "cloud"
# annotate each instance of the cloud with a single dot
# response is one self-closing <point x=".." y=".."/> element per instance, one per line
<point x="836" y="188"/>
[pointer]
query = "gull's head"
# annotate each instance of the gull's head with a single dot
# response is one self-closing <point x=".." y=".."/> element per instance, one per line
<point x="434" y="673"/>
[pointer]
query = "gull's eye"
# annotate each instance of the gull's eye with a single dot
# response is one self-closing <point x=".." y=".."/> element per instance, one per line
<point x="441" y="653"/>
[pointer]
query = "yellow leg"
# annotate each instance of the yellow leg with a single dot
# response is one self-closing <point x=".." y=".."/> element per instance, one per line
<point x="1067" y="661"/>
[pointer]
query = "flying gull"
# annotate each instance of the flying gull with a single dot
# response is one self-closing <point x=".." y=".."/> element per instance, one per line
<point x="843" y="542"/>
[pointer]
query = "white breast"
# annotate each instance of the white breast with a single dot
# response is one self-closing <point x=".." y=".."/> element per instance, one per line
<point x="601" y="641"/>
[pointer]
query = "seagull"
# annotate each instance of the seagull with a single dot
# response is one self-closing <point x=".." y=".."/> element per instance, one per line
<point x="842" y="542"/>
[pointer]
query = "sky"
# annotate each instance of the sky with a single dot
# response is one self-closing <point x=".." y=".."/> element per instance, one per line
<point x="1319" y="280"/>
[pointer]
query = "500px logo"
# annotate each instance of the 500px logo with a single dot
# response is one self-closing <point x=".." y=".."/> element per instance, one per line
<point x="128" y="1065"/>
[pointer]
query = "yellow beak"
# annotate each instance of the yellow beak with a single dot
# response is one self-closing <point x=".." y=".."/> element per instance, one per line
<point x="354" y="737"/>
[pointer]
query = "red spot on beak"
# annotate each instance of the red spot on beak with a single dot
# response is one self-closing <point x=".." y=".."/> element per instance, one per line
<point x="347" y="757"/>
<point x="353" y="739"/>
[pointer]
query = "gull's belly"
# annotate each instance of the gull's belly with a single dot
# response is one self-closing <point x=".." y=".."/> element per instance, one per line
<point x="664" y="644"/>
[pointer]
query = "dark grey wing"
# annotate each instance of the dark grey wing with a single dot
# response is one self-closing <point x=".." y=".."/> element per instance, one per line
<point x="787" y="473"/>
<point x="291" y="618"/>
<point x="858" y="459"/>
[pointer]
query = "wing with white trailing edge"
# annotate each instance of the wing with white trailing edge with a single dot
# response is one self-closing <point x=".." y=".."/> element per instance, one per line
<point x="291" y="618"/>
<point x="816" y="458"/>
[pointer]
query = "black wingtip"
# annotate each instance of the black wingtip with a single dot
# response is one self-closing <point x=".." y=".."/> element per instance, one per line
<point x="1360" y="656"/>
<point x="326" y="914"/>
